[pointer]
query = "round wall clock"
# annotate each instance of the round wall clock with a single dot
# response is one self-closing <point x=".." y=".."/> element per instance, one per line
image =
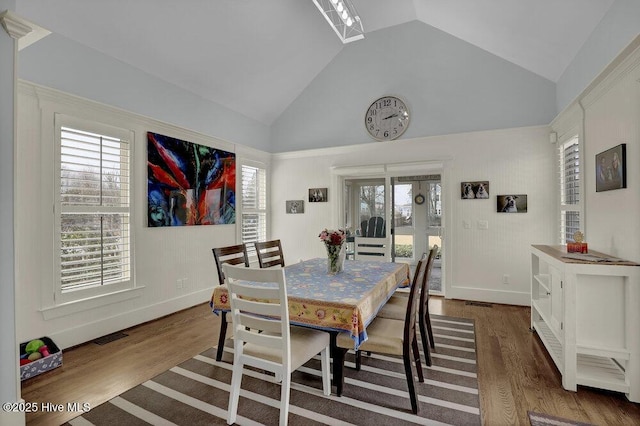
<point x="387" y="118"/>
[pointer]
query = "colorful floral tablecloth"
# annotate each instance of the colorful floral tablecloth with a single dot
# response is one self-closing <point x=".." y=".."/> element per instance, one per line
<point x="345" y="302"/>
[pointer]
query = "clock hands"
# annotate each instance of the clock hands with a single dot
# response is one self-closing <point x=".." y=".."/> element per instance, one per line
<point x="391" y="116"/>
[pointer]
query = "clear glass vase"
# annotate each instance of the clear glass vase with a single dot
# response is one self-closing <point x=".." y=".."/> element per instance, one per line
<point x="335" y="258"/>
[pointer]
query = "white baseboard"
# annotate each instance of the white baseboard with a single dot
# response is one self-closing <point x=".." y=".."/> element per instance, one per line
<point x="489" y="295"/>
<point x="87" y="332"/>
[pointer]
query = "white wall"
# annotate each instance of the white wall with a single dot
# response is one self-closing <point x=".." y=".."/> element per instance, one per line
<point x="516" y="161"/>
<point x="161" y="255"/>
<point x="611" y="117"/>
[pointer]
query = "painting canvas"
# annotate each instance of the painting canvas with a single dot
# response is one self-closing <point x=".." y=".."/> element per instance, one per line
<point x="188" y="183"/>
<point x="512" y="203"/>
<point x="317" y="195"/>
<point x="295" y="206"/>
<point x="611" y="169"/>
<point x="474" y="190"/>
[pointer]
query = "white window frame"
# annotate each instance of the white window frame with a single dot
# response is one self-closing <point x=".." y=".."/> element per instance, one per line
<point x="90" y="293"/>
<point x="564" y="207"/>
<point x="262" y="208"/>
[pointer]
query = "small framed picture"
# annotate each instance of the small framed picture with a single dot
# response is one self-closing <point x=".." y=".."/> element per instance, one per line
<point x="317" y="195"/>
<point x="512" y="203"/>
<point x="473" y="190"/>
<point x="295" y="206"/>
<point x="611" y="168"/>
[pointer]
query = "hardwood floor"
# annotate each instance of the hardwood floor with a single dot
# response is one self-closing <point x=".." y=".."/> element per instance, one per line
<point x="515" y="373"/>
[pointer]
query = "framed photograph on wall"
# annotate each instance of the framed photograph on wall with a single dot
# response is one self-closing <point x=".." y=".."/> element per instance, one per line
<point x="317" y="195"/>
<point x="473" y="190"/>
<point x="295" y="206"/>
<point x="512" y="203"/>
<point x="611" y="168"/>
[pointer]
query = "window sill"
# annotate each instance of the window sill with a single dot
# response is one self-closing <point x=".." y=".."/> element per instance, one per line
<point x="81" y="305"/>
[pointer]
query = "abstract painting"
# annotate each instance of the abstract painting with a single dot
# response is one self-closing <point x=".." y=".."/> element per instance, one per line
<point x="189" y="184"/>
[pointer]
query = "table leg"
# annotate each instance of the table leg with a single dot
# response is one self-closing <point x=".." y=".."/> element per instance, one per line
<point x="223" y="335"/>
<point x="338" y="362"/>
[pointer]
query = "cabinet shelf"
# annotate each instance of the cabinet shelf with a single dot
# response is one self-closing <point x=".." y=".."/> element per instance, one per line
<point x="551" y="342"/>
<point x="602" y="373"/>
<point x="545" y="282"/>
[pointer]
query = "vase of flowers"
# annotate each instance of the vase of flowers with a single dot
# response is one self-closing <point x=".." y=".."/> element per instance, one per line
<point x="334" y="243"/>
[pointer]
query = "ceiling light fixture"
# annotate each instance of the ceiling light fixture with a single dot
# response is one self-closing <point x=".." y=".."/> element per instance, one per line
<point x="343" y="18"/>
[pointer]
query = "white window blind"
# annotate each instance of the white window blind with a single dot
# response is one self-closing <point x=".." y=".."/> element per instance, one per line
<point x="254" y="206"/>
<point x="570" y="189"/>
<point x="94" y="239"/>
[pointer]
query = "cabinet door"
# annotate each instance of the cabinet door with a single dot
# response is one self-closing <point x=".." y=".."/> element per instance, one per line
<point x="557" y="300"/>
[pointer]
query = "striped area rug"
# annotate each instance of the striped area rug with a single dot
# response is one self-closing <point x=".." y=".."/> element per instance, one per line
<point x="196" y="392"/>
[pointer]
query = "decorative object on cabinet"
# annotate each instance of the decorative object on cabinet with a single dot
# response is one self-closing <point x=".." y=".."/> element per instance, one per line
<point x="295" y="206"/>
<point x="512" y="203"/>
<point x="189" y="184"/>
<point x="473" y="190"/>
<point x="611" y="168"/>
<point x="317" y="195"/>
<point x="586" y="315"/>
<point x="578" y="245"/>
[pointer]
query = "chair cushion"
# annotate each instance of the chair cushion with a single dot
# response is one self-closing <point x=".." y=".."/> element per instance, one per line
<point x="384" y="336"/>
<point x="305" y="343"/>
<point x="396" y="311"/>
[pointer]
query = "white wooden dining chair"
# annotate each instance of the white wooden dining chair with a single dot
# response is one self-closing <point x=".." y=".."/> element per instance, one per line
<point x="258" y="300"/>
<point x="369" y="248"/>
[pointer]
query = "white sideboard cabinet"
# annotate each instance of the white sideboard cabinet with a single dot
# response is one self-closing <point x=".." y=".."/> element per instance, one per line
<point x="587" y="315"/>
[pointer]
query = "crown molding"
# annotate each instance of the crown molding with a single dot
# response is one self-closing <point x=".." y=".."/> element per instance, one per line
<point x="22" y="30"/>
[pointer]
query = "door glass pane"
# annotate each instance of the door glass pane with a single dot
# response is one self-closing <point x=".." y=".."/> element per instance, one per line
<point x="371" y="201"/>
<point x="404" y="244"/>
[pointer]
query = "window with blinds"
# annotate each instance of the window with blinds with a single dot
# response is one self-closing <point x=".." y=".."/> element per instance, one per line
<point x="254" y="206"/>
<point x="94" y="210"/>
<point x="570" y="189"/>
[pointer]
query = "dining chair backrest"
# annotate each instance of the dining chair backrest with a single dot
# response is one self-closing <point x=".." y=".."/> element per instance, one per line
<point x="269" y="253"/>
<point x="368" y="248"/>
<point x="233" y="255"/>
<point x="258" y="299"/>
<point x="412" y="303"/>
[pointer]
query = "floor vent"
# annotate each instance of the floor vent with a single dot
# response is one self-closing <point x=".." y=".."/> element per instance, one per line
<point x="109" y="338"/>
<point x="481" y="304"/>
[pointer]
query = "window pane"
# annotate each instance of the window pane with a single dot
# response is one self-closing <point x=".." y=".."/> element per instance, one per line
<point x="94" y="250"/>
<point x="571" y="173"/>
<point x="570" y="223"/>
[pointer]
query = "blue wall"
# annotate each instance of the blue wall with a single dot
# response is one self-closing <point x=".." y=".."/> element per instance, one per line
<point x="615" y="31"/>
<point x="449" y="85"/>
<point x="66" y="65"/>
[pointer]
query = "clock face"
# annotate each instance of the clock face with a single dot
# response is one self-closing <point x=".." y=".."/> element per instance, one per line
<point x="387" y="118"/>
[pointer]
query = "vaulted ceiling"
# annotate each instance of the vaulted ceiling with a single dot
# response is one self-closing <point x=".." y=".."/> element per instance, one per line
<point x="256" y="56"/>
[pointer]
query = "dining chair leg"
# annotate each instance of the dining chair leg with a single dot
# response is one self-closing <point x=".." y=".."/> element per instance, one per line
<point x="428" y="321"/>
<point x="223" y="335"/>
<point x="234" y="391"/>
<point x="284" y="398"/>
<point x="425" y="342"/>
<point x="326" y="377"/>
<point x="358" y="357"/>
<point x="416" y="356"/>
<point x="410" y="382"/>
